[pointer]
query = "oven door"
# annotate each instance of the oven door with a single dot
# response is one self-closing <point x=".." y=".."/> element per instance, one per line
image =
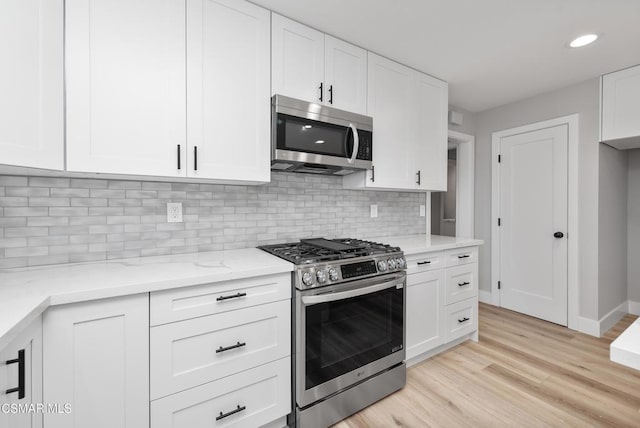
<point x="347" y="333"/>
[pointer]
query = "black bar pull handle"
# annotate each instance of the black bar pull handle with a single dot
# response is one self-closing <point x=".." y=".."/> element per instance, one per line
<point x="179" y="162"/>
<point x="321" y="90"/>
<point x="465" y="319"/>
<point x="227" y="348"/>
<point x="426" y="262"/>
<point x="464" y="256"/>
<point x="462" y="284"/>
<point x="195" y="158"/>
<point x="373" y="173"/>
<point x="418" y="180"/>
<point x="330" y="94"/>
<point x="233" y="296"/>
<point x="20" y="389"/>
<point x="233" y="412"/>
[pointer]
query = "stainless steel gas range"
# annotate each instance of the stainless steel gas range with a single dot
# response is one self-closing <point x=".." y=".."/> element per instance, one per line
<point x="348" y="326"/>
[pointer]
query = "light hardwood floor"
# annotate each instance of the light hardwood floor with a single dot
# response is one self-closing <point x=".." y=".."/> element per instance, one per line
<point x="524" y="372"/>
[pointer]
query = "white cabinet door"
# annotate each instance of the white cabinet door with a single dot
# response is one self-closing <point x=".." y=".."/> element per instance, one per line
<point x="345" y="75"/>
<point x="389" y="103"/>
<point x="96" y="358"/>
<point x="125" y="64"/>
<point x="430" y="106"/>
<point x="31" y="83"/>
<point x="23" y="354"/>
<point x="297" y="60"/>
<point x="228" y="111"/>
<point x="621" y="106"/>
<point x="425" y="303"/>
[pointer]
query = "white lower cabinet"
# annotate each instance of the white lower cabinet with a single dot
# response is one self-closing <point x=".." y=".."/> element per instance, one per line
<point x="424" y="312"/>
<point x="251" y="398"/>
<point x="21" y="373"/>
<point x="96" y="362"/>
<point x="193" y="352"/>
<point x="442" y="300"/>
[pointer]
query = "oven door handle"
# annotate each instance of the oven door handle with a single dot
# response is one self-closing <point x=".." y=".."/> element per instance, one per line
<point x="332" y="297"/>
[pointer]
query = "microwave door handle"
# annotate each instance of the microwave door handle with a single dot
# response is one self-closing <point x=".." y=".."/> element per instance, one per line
<point x="356" y="143"/>
<point x="331" y="297"/>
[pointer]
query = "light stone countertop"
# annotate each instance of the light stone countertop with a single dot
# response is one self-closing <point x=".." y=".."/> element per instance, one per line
<point x="25" y="293"/>
<point x="414" y="244"/>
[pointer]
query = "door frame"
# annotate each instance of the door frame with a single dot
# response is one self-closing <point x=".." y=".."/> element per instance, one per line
<point x="465" y="190"/>
<point x="572" y="122"/>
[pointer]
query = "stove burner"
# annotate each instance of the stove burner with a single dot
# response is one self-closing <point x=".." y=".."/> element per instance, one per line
<point x="322" y="250"/>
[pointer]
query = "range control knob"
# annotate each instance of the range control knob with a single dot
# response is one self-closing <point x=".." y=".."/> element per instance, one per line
<point x="392" y="264"/>
<point x="382" y="265"/>
<point x="401" y="263"/>
<point x="321" y="275"/>
<point x="333" y="274"/>
<point x="307" y="278"/>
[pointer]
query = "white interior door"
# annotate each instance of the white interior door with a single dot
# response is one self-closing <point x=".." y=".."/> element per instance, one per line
<point x="533" y="208"/>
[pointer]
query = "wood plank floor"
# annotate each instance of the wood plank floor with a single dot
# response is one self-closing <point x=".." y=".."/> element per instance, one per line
<point x="524" y="372"/>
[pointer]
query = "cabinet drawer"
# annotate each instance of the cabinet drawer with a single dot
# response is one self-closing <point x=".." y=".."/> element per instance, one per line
<point x="207" y="299"/>
<point x="460" y="318"/>
<point x="461" y="256"/>
<point x="461" y="283"/>
<point x="424" y="261"/>
<point x="257" y="396"/>
<point x="192" y="352"/>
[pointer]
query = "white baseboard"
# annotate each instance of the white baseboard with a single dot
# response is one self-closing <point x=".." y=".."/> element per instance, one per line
<point x="609" y="320"/>
<point x="484" y="296"/>
<point x="589" y="326"/>
<point x="634" y="308"/>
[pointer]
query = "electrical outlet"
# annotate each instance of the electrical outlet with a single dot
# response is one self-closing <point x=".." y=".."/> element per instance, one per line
<point x="174" y="212"/>
<point x="422" y="210"/>
<point x="374" y="210"/>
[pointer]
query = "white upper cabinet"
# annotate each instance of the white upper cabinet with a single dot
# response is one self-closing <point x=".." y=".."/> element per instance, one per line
<point x="31" y="83"/>
<point x="297" y="60"/>
<point x="228" y="80"/>
<point x="126" y="111"/>
<point x="312" y="66"/>
<point x="409" y="111"/>
<point x="431" y="103"/>
<point x="621" y="108"/>
<point x="345" y="75"/>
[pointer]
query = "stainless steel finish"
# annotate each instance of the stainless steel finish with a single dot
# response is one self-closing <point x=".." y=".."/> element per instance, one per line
<point x="356" y="143"/>
<point x="347" y="402"/>
<point x="330" y="296"/>
<point x="301" y="271"/>
<point x="305" y="397"/>
<point x="321" y="113"/>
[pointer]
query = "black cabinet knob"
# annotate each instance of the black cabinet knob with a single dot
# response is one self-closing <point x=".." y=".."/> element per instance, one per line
<point x="558" y="235"/>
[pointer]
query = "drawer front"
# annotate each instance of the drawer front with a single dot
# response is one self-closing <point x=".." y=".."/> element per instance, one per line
<point x="461" y="256"/>
<point x="190" y="353"/>
<point x="461" y="283"/>
<point x="424" y="262"/>
<point x="460" y="319"/>
<point x="207" y="299"/>
<point x="249" y="399"/>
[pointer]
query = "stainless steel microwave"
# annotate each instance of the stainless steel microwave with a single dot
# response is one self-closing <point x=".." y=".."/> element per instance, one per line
<point x="314" y="138"/>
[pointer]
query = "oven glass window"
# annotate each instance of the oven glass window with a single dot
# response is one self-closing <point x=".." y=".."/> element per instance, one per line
<point x="344" y="335"/>
<point x="306" y="135"/>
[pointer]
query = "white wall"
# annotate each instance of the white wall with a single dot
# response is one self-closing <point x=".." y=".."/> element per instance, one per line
<point x="612" y="230"/>
<point x="468" y="122"/>
<point x="633" y="226"/>
<point x="583" y="99"/>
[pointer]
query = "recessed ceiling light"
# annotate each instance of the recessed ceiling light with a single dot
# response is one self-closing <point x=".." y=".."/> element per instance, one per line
<point x="583" y="40"/>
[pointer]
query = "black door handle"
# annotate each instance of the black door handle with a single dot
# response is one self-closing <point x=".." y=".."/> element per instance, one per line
<point x="558" y="235"/>
<point x="20" y="389"/>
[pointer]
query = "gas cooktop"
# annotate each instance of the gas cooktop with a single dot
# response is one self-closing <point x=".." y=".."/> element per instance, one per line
<point x="323" y="250"/>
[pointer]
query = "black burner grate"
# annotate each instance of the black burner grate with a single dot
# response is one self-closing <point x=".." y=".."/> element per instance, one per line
<point x="324" y="250"/>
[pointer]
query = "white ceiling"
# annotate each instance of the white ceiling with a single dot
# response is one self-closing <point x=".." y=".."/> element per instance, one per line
<point x="491" y="52"/>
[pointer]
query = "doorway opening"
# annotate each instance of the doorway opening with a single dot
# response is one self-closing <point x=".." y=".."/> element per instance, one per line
<point x="451" y="212"/>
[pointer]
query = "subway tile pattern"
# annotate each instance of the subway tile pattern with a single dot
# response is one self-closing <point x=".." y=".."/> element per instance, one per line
<point x="66" y="220"/>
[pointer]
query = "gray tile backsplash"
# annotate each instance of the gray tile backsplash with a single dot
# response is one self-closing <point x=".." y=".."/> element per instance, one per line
<point x="65" y="220"/>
